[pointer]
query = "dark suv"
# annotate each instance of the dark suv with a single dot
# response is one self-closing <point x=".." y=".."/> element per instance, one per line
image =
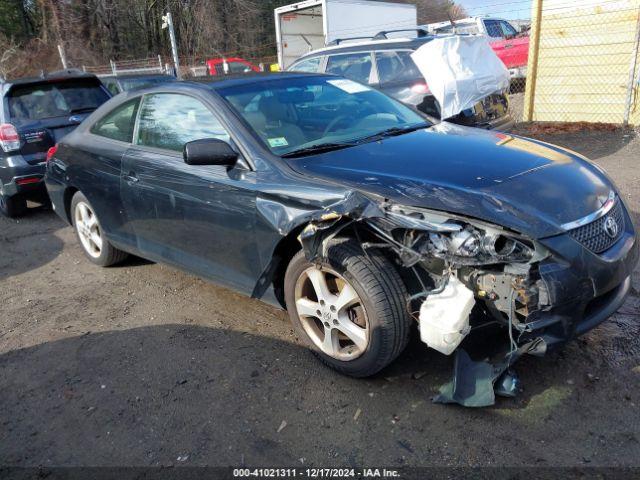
<point x="35" y="114"/>
<point x="386" y="64"/>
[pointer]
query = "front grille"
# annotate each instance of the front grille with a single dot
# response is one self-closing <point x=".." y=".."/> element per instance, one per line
<point x="594" y="236"/>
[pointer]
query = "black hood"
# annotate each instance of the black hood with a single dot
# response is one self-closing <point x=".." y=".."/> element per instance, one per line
<point x="522" y="184"/>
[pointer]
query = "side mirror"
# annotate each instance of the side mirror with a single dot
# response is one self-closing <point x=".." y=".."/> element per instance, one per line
<point x="209" y="151"/>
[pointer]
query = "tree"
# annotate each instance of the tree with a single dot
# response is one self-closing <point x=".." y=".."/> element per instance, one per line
<point x="431" y="11"/>
<point x="94" y="31"/>
<point x="8" y="52"/>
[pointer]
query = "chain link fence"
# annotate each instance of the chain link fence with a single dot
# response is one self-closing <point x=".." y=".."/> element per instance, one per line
<point x="583" y="62"/>
<point x="189" y="67"/>
<point x="235" y="63"/>
<point x="128" y="67"/>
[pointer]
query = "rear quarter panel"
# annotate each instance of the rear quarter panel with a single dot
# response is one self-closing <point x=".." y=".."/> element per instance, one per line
<point x="91" y="164"/>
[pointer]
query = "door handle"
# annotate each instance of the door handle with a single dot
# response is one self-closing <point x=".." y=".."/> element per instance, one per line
<point x="131" y="178"/>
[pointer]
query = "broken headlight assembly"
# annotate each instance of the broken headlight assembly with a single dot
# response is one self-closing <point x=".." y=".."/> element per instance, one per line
<point x="458" y="240"/>
<point x="472" y="245"/>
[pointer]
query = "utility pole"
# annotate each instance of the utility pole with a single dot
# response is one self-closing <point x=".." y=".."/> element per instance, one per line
<point x="532" y="66"/>
<point x="63" y="58"/>
<point x="167" y="21"/>
<point x="632" y="72"/>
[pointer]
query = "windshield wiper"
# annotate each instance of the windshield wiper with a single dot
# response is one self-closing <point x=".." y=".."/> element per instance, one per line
<point x="322" y="147"/>
<point x="393" y="132"/>
<point x="327" y="147"/>
<point x="81" y="110"/>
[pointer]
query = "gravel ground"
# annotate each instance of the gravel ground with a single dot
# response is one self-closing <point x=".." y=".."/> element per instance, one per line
<point x="144" y="365"/>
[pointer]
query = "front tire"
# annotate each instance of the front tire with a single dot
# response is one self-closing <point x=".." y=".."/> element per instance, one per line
<point x="351" y="311"/>
<point x="90" y="234"/>
<point x="12" y="207"/>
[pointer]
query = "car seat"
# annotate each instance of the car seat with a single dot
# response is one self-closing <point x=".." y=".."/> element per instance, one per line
<point x="279" y="121"/>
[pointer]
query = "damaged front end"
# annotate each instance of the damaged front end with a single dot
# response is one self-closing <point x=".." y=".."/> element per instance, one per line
<point x="454" y="265"/>
<point x="473" y="266"/>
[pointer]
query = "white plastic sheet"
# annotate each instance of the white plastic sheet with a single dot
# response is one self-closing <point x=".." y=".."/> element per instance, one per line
<point x="460" y="70"/>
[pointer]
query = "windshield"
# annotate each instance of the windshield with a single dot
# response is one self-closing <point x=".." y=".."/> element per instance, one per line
<point x="39" y="101"/>
<point x="460" y="27"/>
<point x="291" y="114"/>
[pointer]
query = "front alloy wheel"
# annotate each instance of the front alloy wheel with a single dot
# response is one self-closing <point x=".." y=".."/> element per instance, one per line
<point x="332" y="313"/>
<point x="349" y="309"/>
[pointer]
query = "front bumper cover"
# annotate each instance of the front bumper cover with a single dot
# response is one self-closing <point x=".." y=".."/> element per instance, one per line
<point x="584" y="288"/>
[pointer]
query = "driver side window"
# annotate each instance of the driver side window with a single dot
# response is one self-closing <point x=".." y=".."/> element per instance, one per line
<point x="169" y="120"/>
<point x="507" y="29"/>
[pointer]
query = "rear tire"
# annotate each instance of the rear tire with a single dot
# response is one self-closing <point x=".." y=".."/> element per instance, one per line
<point x="89" y="232"/>
<point x="12" y="207"/>
<point x="377" y="298"/>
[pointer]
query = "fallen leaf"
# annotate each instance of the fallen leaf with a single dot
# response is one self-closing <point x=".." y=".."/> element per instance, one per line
<point x="282" y="425"/>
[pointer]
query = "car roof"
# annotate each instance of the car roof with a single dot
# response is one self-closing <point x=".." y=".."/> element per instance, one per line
<point x="61" y="76"/>
<point x="138" y="75"/>
<point x="367" y="45"/>
<point x="228" y="59"/>
<point x="69" y="74"/>
<point x="216" y="82"/>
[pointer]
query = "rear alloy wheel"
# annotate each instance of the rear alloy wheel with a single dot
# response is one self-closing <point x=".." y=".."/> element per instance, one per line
<point x="13" y="206"/>
<point x="349" y="309"/>
<point x="90" y="233"/>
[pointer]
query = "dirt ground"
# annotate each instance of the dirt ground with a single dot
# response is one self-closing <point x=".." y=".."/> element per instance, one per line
<point x="141" y="365"/>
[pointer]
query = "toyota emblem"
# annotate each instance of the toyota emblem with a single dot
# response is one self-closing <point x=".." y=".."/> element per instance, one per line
<point x="611" y="227"/>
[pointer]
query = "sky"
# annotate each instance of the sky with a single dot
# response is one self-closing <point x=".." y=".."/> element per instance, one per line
<point x="509" y="9"/>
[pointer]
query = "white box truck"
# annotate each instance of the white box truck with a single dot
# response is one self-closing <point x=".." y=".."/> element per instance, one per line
<point x="305" y="26"/>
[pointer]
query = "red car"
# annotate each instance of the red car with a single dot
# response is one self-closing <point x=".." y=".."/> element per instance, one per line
<point x="234" y="65"/>
<point x="510" y="46"/>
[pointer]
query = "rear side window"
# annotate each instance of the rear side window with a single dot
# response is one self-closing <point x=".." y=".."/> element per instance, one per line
<point x="354" y="66"/>
<point x="239" y="67"/>
<point x="234" y="67"/>
<point x="40" y="101"/>
<point x="112" y="86"/>
<point x="493" y="28"/>
<point x="169" y="120"/>
<point x="118" y="123"/>
<point x="394" y="66"/>
<point x="311" y="65"/>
